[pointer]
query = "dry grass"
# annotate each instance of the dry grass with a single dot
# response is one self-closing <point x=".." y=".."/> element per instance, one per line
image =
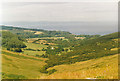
<point x="52" y="38"/>
<point x="80" y="37"/>
<point x="28" y="31"/>
<point x="114" y="49"/>
<point x="102" y="68"/>
<point x="4" y="30"/>
<point x="38" y="32"/>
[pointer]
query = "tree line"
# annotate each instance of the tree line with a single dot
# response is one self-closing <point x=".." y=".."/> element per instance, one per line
<point x="12" y="41"/>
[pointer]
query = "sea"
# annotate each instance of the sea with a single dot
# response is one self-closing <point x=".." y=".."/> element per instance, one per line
<point x="78" y="28"/>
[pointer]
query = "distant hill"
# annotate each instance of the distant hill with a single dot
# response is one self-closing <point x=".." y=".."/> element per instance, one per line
<point x="34" y="33"/>
<point x="38" y="33"/>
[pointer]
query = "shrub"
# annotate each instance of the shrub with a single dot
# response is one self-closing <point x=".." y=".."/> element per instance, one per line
<point x="17" y="50"/>
<point x="44" y="55"/>
<point x="37" y="55"/>
<point x="52" y="71"/>
<point x="43" y="69"/>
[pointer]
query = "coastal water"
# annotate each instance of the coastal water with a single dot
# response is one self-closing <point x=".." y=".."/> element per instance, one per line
<point x="73" y="27"/>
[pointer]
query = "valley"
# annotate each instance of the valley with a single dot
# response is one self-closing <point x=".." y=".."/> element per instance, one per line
<point x="42" y="54"/>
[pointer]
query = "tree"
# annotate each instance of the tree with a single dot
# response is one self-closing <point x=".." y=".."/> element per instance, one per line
<point x="12" y="41"/>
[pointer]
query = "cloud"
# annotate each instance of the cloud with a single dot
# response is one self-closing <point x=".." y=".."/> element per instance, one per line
<point x="59" y="11"/>
<point x="76" y="17"/>
<point x="60" y="0"/>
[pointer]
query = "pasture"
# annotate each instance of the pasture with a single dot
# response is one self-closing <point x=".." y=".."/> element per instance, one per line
<point x="35" y="47"/>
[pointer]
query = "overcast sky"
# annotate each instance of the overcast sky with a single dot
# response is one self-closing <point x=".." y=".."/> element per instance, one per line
<point x="92" y="10"/>
<point x="63" y="11"/>
<point x="60" y="0"/>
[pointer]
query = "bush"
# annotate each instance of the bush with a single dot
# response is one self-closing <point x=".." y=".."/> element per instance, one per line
<point x="46" y="44"/>
<point x="52" y="71"/>
<point x="43" y="69"/>
<point x="8" y="48"/>
<point x="38" y="50"/>
<point x="43" y="49"/>
<point x="37" y="55"/>
<point x="30" y="49"/>
<point x="44" y="55"/>
<point x="17" y="50"/>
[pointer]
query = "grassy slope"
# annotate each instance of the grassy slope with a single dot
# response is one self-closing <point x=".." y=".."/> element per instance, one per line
<point x="28" y="66"/>
<point x="14" y="65"/>
<point x="102" y="68"/>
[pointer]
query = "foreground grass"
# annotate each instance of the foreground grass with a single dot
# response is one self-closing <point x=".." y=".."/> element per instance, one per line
<point x="102" y="68"/>
<point x="16" y="66"/>
<point x="19" y="56"/>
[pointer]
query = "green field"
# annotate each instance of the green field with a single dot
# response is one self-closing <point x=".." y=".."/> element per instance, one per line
<point x="35" y="47"/>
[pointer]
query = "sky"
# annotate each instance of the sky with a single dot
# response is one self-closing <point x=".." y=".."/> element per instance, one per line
<point x="86" y="11"/>
<point x="59" y="0"/>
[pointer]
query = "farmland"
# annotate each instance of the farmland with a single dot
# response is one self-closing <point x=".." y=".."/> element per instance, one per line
<point x="36" y="49"/>
<point x="42" y="54"/>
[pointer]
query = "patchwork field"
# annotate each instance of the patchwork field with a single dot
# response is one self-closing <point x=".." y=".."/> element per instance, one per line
<point x="35" y="47"/>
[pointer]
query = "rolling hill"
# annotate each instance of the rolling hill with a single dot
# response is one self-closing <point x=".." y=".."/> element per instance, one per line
<point x="59" y="58"/>
<point x="16" y="66"/>
<point x="101" y="68"/>
<point x="89" y="49"/>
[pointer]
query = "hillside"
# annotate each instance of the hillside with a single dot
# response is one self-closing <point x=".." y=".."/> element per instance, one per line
<point x="86" y="50"/>
<point x="36" y="53"/>
<point x="39" y="33"/>
<point x="16" y="66"/>
<point x="102" y="68"/>
<point x="34" y="33"/>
